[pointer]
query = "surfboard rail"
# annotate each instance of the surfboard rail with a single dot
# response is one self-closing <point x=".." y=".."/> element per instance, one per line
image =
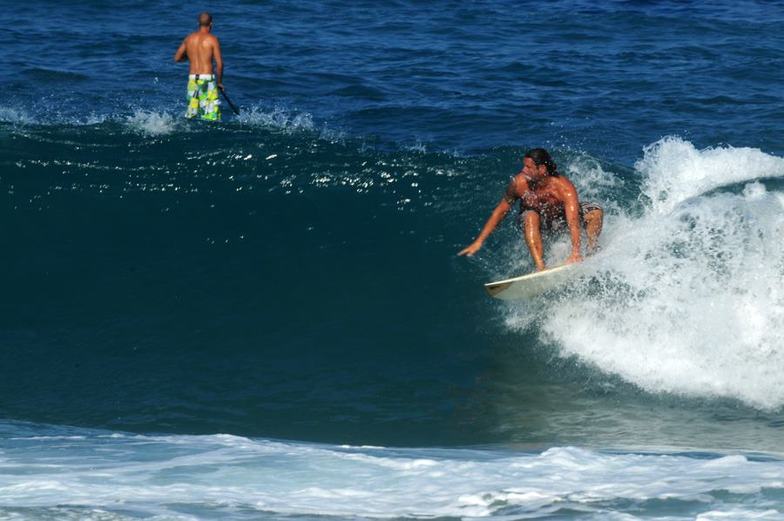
<point x="531" y="284"/>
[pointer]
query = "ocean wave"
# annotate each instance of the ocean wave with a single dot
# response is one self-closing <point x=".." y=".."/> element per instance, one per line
<point x="50" y="117"/>
<point x="211" y="476"/>
<point x="157" y="122"/>
<point x="684" y="298"/>
<point x="675" y="171"/>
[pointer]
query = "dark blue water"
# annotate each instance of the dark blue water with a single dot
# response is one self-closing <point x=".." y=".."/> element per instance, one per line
<point x="290" y="274"/>
<point x="605" y="80"/>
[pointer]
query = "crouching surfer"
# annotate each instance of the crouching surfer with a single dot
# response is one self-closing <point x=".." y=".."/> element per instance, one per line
<point x="548" y="200"/>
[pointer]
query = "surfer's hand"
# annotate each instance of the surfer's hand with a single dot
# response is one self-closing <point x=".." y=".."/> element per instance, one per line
<point x="470" y="249"/>
<point x="573" y="258"/>
<point x="221" y="87"/>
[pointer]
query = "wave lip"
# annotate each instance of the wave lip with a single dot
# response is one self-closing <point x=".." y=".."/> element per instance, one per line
<point x="674" y="170"/>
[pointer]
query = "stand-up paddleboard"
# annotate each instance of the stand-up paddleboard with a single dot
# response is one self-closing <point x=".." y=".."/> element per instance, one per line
<point x="531" y="285"/>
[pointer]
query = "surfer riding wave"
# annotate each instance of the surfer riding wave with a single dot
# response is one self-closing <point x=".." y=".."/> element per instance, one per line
<point x="548" y="200"/>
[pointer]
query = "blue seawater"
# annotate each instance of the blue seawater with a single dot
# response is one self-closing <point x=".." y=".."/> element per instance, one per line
<point x="267" y="318"/>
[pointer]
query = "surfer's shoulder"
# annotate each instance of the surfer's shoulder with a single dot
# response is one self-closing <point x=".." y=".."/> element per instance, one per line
<point x="520" y="182"/>
<point x="560" y="181"/>
<point x="516" y="187"/>
<point x="563" y="189"/>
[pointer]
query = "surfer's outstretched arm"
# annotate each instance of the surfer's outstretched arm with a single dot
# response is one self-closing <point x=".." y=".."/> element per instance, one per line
<point x="496" y="217"/>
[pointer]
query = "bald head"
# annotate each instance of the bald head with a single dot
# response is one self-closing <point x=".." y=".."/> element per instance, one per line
<point x="205" y="19"/>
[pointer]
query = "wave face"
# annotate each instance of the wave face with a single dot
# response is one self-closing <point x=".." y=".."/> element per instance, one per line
<point x="291" y="274"/>
<point x="80" y="474"/>
<point x="292" y="283"/>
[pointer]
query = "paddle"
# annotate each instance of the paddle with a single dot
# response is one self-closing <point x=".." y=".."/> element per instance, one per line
<point x="232" y="105"/>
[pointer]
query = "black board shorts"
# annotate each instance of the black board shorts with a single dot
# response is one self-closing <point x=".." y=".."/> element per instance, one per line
<point x="559" y="221"/>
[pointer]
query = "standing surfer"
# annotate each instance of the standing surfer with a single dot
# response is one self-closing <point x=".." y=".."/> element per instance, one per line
<point x="200" y="48"/>
<point x="547" y="200"/>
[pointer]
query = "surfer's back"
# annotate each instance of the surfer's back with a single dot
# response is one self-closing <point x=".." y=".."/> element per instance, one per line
<point x="200" y="48"/>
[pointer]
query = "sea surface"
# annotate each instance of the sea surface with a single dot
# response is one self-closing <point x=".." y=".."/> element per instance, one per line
<point x="266" y="318"/>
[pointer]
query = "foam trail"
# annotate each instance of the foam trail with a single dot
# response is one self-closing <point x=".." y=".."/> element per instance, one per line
<point x="686" y="298"/>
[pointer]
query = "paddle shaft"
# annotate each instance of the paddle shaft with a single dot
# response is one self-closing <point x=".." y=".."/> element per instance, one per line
<point x="232" y="105"/>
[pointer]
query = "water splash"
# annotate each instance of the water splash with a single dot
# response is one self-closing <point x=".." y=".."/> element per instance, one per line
<point x="151" y="123"/>
<point x="277" y="117"/>
<point x="686" y="297"/>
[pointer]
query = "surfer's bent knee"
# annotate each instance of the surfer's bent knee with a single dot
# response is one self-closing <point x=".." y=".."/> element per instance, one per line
<point x="530" y="215"/>
<point x="592" y="212"/>
<point x="595" y="213"/>
<point x="527" y="217"/>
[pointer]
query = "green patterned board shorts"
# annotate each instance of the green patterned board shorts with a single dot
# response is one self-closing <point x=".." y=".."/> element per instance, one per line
<point x="203" y="99"/>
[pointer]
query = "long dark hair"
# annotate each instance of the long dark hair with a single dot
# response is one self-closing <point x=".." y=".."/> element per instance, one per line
<point x="542" y="157"/>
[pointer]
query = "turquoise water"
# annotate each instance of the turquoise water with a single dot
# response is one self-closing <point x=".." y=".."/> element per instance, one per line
<point x="266" y="318"/>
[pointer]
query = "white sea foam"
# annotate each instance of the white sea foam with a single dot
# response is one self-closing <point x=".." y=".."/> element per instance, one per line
<point x="593" y="182"/>
<point x="48" y="117"/>
<point x="685" y="298"/>
<point x="674" y="170"/>
<point x="11" y="115"/>
<point x="277" y="117"/>
<point x="151" y="123"/>
<point x="183" y="477"/>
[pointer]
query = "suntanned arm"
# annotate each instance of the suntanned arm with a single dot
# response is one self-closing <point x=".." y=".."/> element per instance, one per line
<point x="572" y="210"/>
<point x="496" y="217"/>
<point x="180" y="54"/>
<point x="218" y="62"/>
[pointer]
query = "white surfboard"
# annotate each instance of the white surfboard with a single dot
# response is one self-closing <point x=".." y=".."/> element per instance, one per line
<point x="531" y="285"/>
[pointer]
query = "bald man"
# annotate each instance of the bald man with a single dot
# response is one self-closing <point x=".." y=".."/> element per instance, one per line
<point x="201" y="48"/>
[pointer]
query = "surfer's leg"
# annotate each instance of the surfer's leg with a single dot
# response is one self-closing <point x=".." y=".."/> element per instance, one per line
<point x="193" y="98"/>
<point x="210" y="104"/>
<point x="593" y="218"/>
<point x="532" y="231"/>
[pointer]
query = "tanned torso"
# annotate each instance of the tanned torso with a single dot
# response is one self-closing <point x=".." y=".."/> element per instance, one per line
<point x="200" y="48"/>
<point x="546" y="196"/>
